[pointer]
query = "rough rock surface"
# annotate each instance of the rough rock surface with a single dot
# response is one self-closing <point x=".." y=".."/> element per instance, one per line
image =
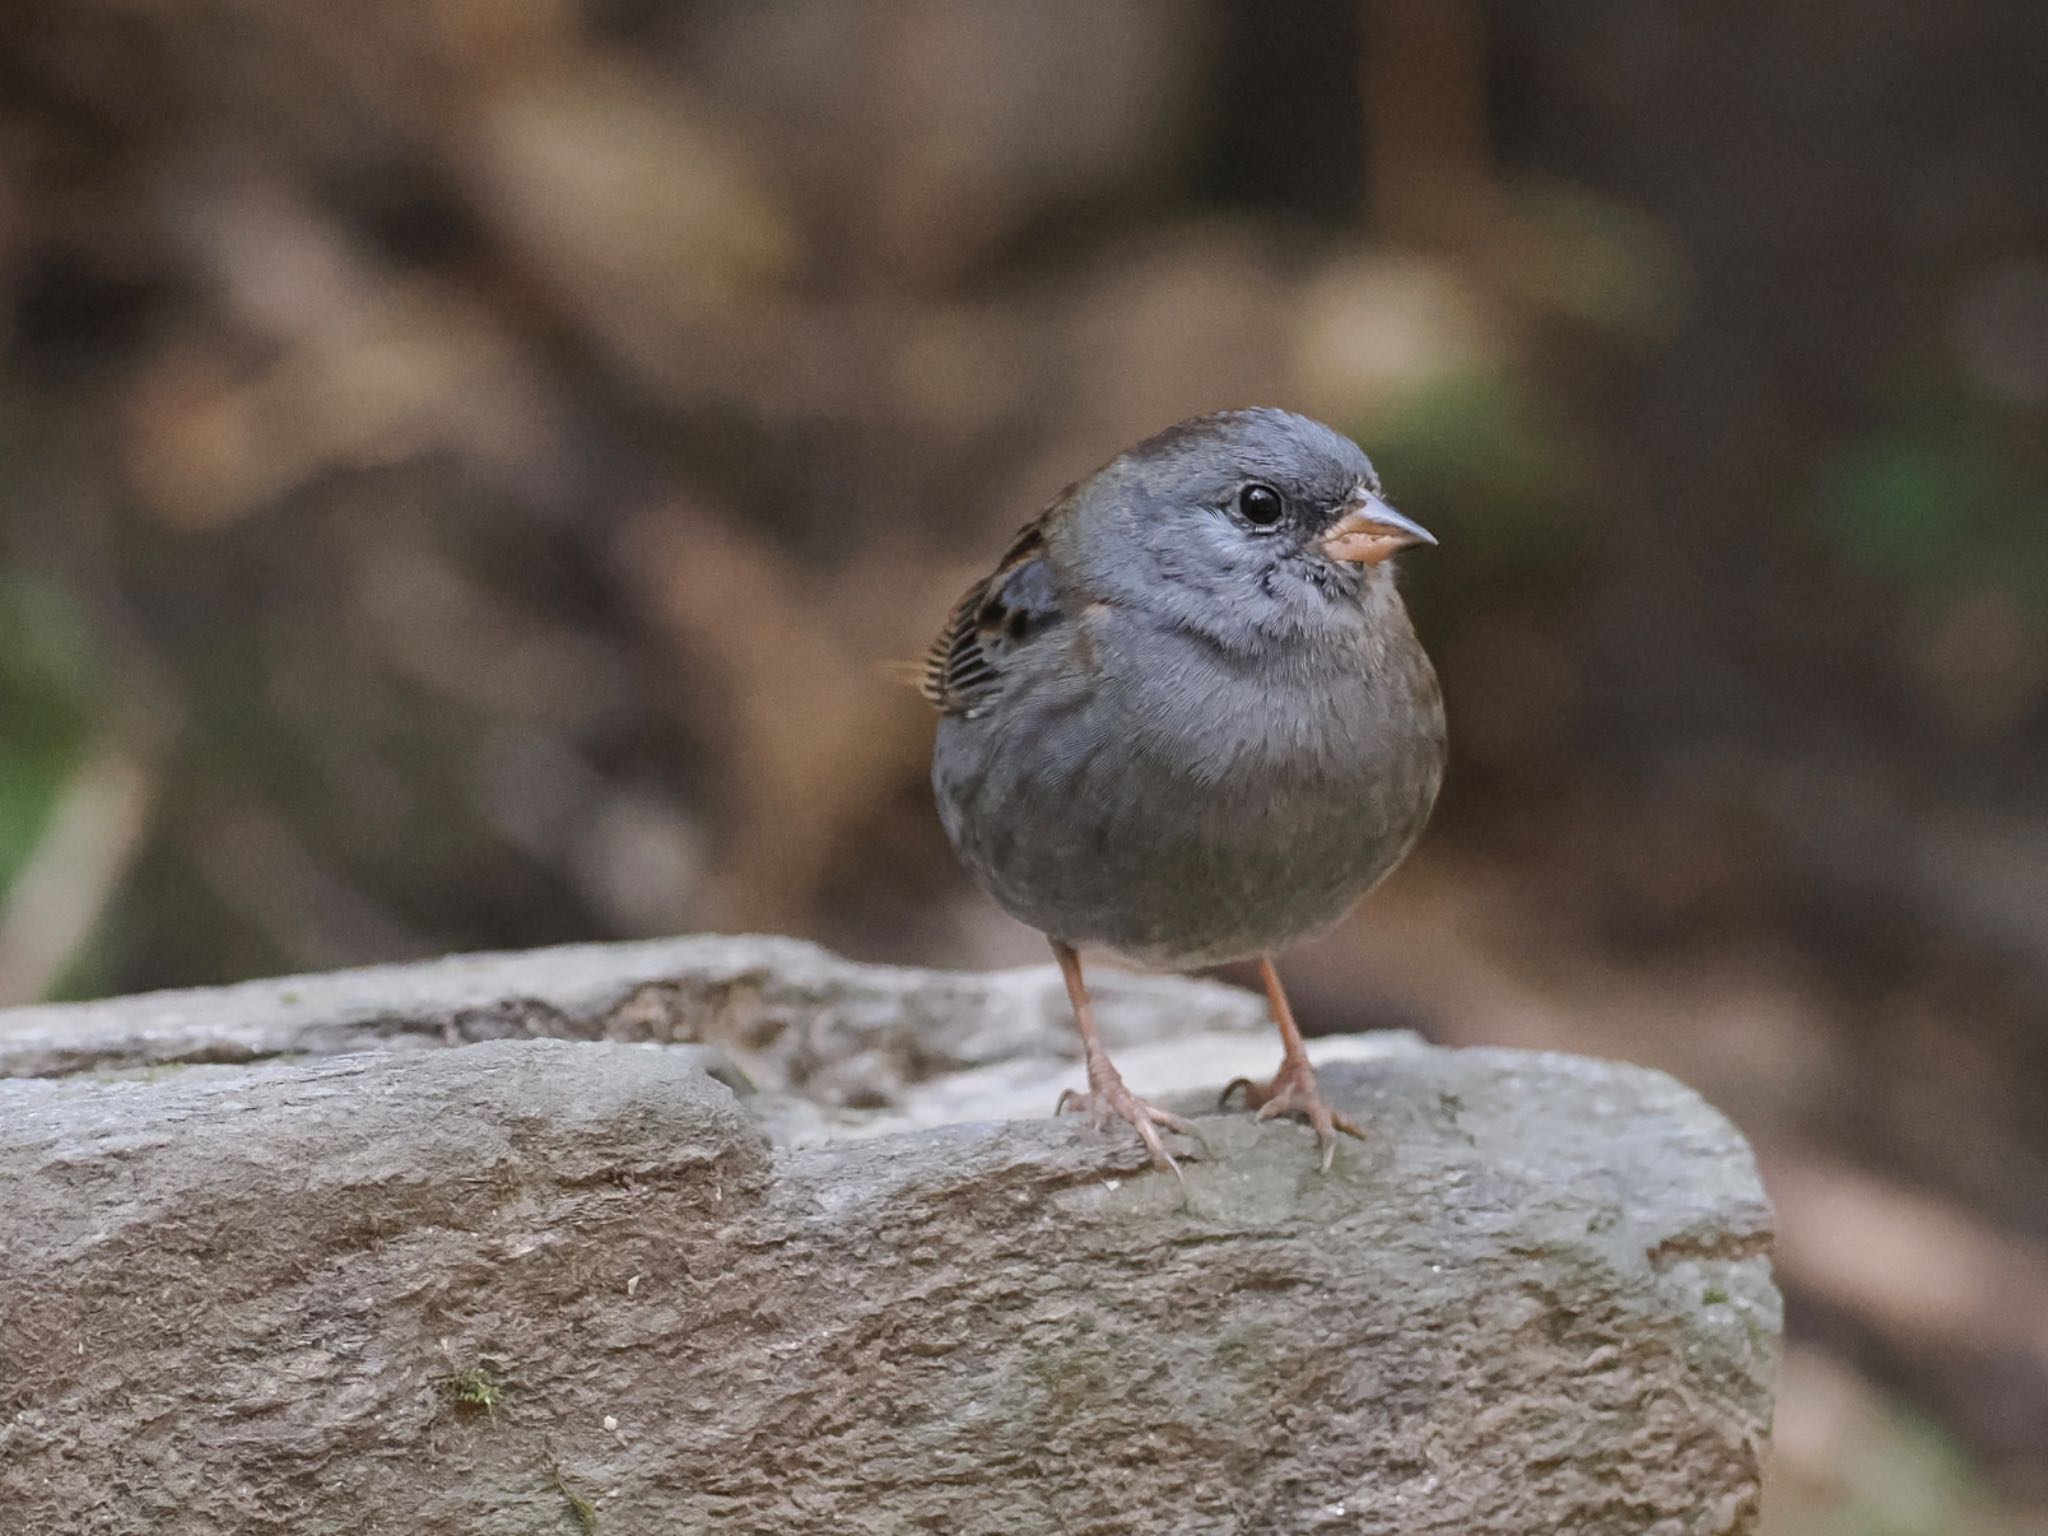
<point x="816" y="1019"/>
<point x="542" y="1285"/>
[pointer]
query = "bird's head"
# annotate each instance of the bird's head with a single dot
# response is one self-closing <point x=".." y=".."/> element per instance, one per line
<point x="1257" y="517"/>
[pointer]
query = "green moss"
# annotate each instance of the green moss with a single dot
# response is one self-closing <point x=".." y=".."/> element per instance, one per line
<point x="584" y="1511"/>
<point x="1714" y="1297"/>
<point x="474" y="1387"/>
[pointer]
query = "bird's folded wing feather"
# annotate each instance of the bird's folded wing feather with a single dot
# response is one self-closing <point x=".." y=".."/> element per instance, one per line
<point x="998" y="614"/>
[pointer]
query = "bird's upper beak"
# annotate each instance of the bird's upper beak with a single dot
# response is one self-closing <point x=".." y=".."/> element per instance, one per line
<point x="1370" y="530"/>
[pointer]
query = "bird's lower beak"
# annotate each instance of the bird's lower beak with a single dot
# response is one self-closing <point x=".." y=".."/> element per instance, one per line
<point x="1370" y="530"/>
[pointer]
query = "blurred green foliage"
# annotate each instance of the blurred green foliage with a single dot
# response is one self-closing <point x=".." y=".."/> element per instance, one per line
<point x="1908" y="1479"/>
<point x="46" y="692"/>
<point x="1481" y="460"/>
<point x="1934" y="503"/>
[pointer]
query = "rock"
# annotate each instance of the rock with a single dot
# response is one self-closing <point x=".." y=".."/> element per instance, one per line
<point x="537" y="1285"/>
<point x="790" y="1009"/>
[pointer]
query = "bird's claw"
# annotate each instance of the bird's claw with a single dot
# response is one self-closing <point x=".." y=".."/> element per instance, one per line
<point x="1109" y="1101"/>
<point x="1293" y="1091"/>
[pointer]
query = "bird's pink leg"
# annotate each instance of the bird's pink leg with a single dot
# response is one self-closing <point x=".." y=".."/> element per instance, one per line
<point x="1293" y="1090"/>
<point x="1107" y="1098"/>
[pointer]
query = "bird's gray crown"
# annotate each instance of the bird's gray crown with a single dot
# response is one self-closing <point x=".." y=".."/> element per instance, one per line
<point x="1300" y="456"/>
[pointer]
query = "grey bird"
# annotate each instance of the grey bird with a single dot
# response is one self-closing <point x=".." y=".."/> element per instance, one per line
<point x="1187" y="718"/>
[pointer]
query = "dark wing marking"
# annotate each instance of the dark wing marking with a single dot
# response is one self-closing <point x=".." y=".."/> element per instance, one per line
<point x="995" y="616"/>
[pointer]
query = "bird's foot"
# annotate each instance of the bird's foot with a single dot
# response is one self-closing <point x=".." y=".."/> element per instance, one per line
<point x="1293" y="1091"/>
<point x="1108" y="1101"/>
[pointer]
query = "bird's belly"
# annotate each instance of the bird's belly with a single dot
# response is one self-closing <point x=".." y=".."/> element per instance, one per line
<point x="1178" y="860"/>
<point x="1252" y="869"/>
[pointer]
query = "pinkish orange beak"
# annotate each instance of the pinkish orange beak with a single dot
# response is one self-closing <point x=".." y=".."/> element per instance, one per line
<point x="1370" y="531"/>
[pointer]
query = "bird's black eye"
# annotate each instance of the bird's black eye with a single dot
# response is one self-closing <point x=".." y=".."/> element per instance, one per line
<point x="1260" y="505"/>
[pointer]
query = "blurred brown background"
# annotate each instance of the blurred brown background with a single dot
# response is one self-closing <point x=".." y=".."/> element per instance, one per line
<point x="472" y="474"/>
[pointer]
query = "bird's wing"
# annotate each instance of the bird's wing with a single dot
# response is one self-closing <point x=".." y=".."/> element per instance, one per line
<point x="1003" y="611"/>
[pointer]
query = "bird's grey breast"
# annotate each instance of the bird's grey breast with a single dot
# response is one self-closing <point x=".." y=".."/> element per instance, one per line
<point x="1144" y="787"/>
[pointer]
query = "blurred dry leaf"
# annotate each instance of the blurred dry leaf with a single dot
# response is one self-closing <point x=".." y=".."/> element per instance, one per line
<point x="1368" y="328"/>
<point x="1912" y="1265"/>
<point x="1569" y="251"/>
<point x="635" y="209"/>
<point x="1981" y="662"/>
<point x="1845" y="1457"/>
<point x="814" y="727"/>
<point x="1190" y="320"/>
<point x="935" y="131"/>
<point x="194" y="451"/>
<point x="72" y="878"/>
